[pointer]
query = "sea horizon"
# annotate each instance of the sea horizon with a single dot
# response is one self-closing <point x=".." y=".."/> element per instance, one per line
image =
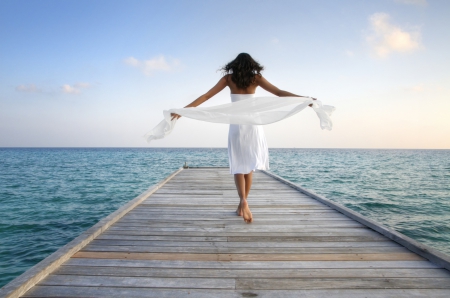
<point x="123" y="147"/>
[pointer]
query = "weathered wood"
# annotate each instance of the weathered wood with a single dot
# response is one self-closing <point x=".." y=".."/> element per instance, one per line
<point x="244" y="250"/>
<point x="213" y="223"/>
<point x="252" y="239"/>
<point x="263" y="219"/>
<point x="231" y="211"/>
<point x="266" y="217"/>
<point x="216" y="226"/>
<point x="279" y="227"/>
<point x="140" y="282"/>
<point x="118" y="240"/>
<point x="195" y="206"/>
<point x="250" y="257"/>
<point x="249" y="230"/>
<point x="250" y="264"/>
<point x="293" y="236"/>
<point x="342" y="283"/>
<point x="317" y="237"/>
<point x="253" y="273"/>
<point x="172" y="239"/>
<point x="107" y="292"/>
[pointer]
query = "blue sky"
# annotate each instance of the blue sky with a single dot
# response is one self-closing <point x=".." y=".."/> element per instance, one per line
<point x="99" y="73"/>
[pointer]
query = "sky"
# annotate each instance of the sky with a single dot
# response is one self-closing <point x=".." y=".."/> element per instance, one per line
<point x="100" y="73"/>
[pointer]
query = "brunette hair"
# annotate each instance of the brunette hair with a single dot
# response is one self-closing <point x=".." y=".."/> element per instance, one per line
<point x="243" y="70"/>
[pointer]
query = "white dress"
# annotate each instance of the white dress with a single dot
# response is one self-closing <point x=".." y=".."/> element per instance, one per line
<point x="247" y="145"/>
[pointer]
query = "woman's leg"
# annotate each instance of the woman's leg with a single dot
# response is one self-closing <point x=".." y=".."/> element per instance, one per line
<point x="243" y="190"/>
<point x="248" y="183"/>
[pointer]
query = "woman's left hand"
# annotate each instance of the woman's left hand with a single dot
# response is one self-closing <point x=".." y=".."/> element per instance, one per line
<point x="175" y="116"/>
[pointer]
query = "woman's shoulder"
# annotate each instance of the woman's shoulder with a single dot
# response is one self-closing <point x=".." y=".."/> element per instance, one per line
<point x="258" y="78"/>
<point x="227" y="78"/>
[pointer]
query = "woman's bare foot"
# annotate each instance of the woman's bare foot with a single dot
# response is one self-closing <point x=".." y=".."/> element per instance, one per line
<point x="247" y="214"/>
<point x="239" y="210"/>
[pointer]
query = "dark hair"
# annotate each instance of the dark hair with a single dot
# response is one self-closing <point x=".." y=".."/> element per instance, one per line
<point x="243" y="70"/>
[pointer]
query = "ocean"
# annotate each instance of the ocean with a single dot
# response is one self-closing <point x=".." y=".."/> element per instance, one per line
<point x="48" y="196"/>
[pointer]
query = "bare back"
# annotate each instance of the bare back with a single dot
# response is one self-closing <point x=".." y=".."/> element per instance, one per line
<point x="235" y="90"/>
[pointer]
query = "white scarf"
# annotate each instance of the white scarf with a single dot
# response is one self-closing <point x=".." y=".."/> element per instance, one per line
<point x="252" y="111"/>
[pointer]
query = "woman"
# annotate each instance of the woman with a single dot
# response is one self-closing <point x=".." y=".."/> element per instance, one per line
<point x="247" y="146"/>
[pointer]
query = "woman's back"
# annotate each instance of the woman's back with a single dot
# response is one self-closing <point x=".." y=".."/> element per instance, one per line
<point x="236" y="90"/>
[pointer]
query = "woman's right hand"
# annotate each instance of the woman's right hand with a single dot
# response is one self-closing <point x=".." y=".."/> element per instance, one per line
<point x="312" y="99"/>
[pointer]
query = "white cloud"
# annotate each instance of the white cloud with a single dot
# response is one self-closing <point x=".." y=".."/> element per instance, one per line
<point x="274" y="40"/>
<point x="76" y="88"/>
<point x="386" y="37"/>
<point x="82" y="85"/>
<point x="413" y="2"/>
<point x="417" y="88"/>
<point x="31" y="88"/>
<point x="149" y="67"/>
<point x="132" y="61"/>
<point x="69" y="89"/>
<point x="349" y="53"/>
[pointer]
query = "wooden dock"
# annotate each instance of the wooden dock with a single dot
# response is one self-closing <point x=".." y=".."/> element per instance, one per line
<point x="182" y="238"/>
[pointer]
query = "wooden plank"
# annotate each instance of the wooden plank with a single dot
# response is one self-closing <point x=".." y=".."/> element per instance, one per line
<point x="229" y="210"/>
<point x="316" y="237"/>
<point x="230" y="202"/>
<point x="342" y="283"/>
<point x="227" y="213"/>
<point x="256" y="209"/>
<point x="188" y="204"/>
<point x="246" y="228"/>
<point x="118" y="240"/>
<point x="280" y="236"/>
<point x="238" y="221"/>
<point x="140" y="282"/>
<point x="195" y="206"/>
<point x="172" y="239"/>
<point x="191" y="192"/>
<point x="234" y="226"/>
<point x="244" y="250"/>
<point x="250" y="257"/>
<point x="228" y="227"/>
<point x="253" y="273"/>
<point x="423" y="264"/>
<point x="29" y="278"/>
<point x="233" y="217"/>
<point x="107" y="292"/>
<point x="253" y="239"/>
<point x="210" y="192"/>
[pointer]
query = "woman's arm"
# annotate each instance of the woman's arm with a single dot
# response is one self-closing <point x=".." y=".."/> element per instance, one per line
<point x="263" y="83"/>
<point x="201" y="99"/>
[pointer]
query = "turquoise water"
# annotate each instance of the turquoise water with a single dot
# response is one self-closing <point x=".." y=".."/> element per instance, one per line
<point x="49" y="196"/>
